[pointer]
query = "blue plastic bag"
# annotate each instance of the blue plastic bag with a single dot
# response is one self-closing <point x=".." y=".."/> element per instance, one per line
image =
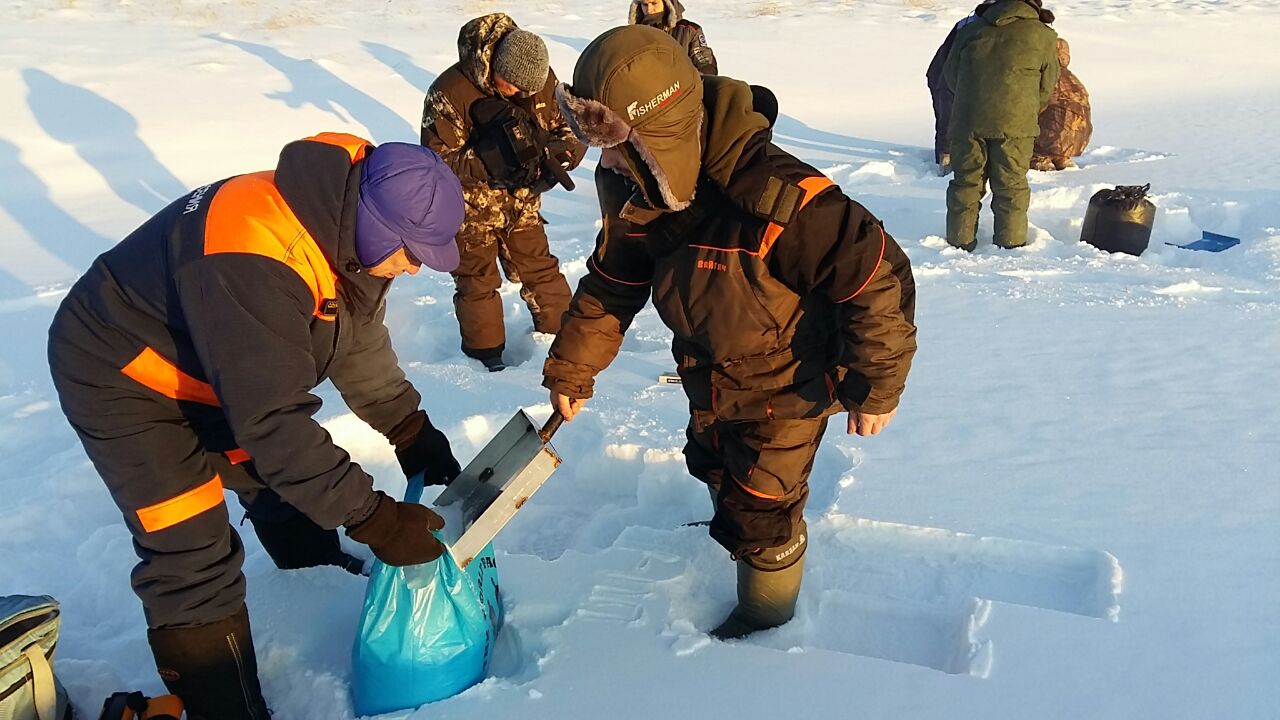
<point x="416" y="646"/>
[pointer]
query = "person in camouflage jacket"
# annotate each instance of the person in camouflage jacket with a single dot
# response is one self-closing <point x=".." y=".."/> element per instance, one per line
<point x="668" y="16"/>
<point x="503" y="223"/>
<point x="788" y="301"/>
<point x="1066" y="125"/>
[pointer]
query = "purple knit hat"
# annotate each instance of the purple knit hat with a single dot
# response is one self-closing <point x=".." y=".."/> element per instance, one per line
<point x="408" y="198"/>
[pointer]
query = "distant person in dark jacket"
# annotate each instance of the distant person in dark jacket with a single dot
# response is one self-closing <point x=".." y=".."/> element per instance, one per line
<point x="668" y="16"/>
<point x="941" y="93"/>
<point x="186" y="357"/>
<point x="1002" y="68"/>
<point x="1066" y="125"/>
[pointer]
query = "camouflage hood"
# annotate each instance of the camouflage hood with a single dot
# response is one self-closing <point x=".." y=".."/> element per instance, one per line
<point x="672" y="11"/>
<point x="1004" y="12"/>
<point x="1064" y="53"/>
<point x="476" y="42"/>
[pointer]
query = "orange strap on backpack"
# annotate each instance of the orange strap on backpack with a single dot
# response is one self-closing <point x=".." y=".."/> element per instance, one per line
<point x="136" y="706"/>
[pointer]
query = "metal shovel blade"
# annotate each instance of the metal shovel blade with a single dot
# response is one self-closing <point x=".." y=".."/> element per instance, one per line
<point x="496" y="484"/>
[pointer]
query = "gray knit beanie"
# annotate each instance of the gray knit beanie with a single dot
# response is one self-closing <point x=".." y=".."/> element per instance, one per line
<point x="521" y="58"/>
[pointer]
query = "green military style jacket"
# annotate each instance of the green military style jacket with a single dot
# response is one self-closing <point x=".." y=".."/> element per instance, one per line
<point x="1002" y="69"/>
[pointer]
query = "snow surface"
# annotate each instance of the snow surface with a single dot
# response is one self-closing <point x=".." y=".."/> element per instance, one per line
<point x="1070" y="413"/>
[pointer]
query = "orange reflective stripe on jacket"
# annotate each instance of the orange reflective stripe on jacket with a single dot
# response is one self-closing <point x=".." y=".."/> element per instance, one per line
<point x="354" y="145"/>
<point x="811" y="186"/>
<point x="189" y="504"/>
<point x="248" y="215"/>
<point x="752" y="491"/>
<point x="152" y="370"/>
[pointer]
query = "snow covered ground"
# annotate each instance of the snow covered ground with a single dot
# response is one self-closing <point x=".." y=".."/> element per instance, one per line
<point x="1075" y="514"/>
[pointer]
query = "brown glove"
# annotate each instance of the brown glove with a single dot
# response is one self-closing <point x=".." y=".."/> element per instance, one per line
<point x="399" y="533"/>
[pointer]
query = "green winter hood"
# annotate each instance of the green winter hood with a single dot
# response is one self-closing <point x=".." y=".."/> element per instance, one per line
<point x="1004" y="12"/>
<point x="731" y="122"/>
<point x="635" y="88"/>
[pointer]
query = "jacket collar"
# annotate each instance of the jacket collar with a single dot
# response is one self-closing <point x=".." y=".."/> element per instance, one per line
<point x="320" y="181"/>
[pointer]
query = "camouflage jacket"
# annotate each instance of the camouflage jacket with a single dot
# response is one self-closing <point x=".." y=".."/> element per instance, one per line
<point x="447" y="127"/>
<point x="1002" y="68"/>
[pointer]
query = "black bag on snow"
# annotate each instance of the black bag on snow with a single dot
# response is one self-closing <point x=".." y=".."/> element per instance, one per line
<point x="1119" y="219"/>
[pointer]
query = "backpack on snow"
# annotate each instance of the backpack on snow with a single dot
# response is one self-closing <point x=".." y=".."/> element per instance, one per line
<point x="28" y="637"/>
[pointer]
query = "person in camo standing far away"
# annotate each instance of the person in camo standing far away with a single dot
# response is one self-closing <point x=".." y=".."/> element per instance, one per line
<point x="1066" y="124"/>
<point x="186" y="357"/>
<point x="788" y="301"/>
<point x="492" y="116"/>
<point x="668" y="16"/>
<point x="1002" y="69"/>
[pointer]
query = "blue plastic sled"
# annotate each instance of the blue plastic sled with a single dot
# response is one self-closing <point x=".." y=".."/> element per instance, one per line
<point x="416" y="646"/>
<point x="1210" y="242"/>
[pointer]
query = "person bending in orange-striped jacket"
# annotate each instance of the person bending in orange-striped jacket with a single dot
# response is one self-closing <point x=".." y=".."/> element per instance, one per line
<point x="185" y="360"/>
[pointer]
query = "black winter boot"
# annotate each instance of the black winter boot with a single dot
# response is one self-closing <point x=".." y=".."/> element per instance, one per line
<point x="766" y="599"/>
<point x="212" y="668"/>
<point x="299" y="542"/>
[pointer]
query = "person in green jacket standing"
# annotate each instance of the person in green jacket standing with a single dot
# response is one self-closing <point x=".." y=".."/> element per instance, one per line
<point x="1002" y="69"/>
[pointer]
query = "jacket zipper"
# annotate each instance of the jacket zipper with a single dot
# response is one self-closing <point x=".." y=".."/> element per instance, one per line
<point x="244" y="683"/>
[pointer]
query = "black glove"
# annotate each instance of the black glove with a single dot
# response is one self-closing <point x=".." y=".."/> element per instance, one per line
<point x="424" y="449"/>
<point x="554" y="170"/>
<point x="399" y="533"/>
<point x="508" y="141"/>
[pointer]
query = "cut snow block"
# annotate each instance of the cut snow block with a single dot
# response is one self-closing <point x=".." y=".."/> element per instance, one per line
<point x="1210" y="242"/>
<point x="427" y="640"/>
<point x="942" y="633"/>
<point x="926" y="562"/>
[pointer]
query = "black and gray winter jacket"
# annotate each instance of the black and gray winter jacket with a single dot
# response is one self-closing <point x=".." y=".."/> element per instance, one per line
<point x="245" y="295"/>
<point x="686" y="32"/>
<point x="787" y="299"/>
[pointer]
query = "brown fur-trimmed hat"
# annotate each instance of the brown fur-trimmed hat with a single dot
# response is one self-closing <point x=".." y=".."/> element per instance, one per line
<point x="636" y="85"/>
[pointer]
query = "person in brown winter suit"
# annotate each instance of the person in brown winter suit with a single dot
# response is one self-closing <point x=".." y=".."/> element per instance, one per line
<point x="492" y="116"/>
<point x="668" y="16"/>
<point x="788" y="301"/>
<point x="1066" y="124"/>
